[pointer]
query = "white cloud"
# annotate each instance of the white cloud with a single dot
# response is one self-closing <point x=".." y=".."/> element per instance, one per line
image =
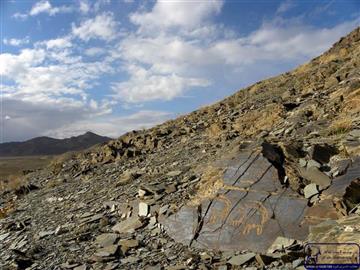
<point x="39" y="7"/>
<point x="57" y="43"/>
<point x="112" y="126"/>
<point x="103" y="26"/>
<point x="16" y="42"/>
<point x="285" y="6"/>
<point x="11" y="64"/>
<point x="170" y="63"/>
<point x="20" y="16"/>
<point x="43" y="6"/>
<point x="95" y="51"/>
<point x="185" y="14"/>
<point x="46" y="7"/>
<point x="145" y="85"/>
<point x="294" y="40"/>
<point x="100" y="3"/>
<point x="84" y="6"/>
<point x="46" y="74"/>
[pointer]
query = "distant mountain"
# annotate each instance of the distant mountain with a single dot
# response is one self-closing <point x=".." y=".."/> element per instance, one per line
<point x="50" y="146"/>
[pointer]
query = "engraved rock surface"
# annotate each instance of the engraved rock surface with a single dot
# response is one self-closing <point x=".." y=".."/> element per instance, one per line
<point x="249" y="211"/>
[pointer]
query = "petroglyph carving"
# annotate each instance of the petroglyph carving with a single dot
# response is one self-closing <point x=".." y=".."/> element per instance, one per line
<point x="246" y="206"/>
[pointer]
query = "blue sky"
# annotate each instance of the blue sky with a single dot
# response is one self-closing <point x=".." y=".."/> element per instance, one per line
<point x="112" y="66"/>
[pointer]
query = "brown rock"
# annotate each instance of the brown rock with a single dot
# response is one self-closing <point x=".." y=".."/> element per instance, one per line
<point x="128" y="226"/>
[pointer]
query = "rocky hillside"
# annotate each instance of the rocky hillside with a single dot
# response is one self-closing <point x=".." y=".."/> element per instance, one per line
<point x="50" y="146"/>
<point x="243" y="183"/>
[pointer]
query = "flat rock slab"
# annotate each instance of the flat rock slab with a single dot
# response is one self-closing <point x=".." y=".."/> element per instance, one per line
<point x="250" y="210"/>
<point x="241" y="259"/>
<point x="106" y="239"/>
<point x="341" y="183"/>
<point x="128" y="226"/>
<point x="314" y="175"/>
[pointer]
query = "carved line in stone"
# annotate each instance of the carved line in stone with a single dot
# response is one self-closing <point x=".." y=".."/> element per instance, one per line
<point x="243" y="219"/>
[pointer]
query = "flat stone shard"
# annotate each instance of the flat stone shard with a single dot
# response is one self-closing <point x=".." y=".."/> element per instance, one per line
<point x="128" y="226"/>
<point x="310" y="190"/>
<point x="106" y="239"/>
<point x="143" y="209"/>
<point x="249" y="211"/>
<point x="241" y="259"/>
<point x="280" y="244"/>
<point x="314" y="175"/>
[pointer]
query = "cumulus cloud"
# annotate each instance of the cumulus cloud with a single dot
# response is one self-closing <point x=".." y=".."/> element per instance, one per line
<point x="84" y="6"/>
<point x="100" y="3"/>
<point x="49" y="72"/>
<point x="103" y="27"/>
<point x="167" y="14"/>
<point x="11" y="64"/>
<point x="95" y="51"/>
<point x="145" y="85"/>
<point x="20" y="16"/>
<point x="46" y="7"/>
<point x="35" y="81"/>
<point x="285" y="6"/>
<point x="58" y="43"/>
<point x="40" y="7"/>
<point x="166" y="63"/>
<point x="43" y="6"/>
<point x="16" y="42"/>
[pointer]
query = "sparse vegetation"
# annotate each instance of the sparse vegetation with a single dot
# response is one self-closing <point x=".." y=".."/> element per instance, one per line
<point x="13" y="183"/>
<point x="257" y="120"/>
<point x="7" y="209"/>
<point x="340" y="126"/>
<point x="214" y="131"/>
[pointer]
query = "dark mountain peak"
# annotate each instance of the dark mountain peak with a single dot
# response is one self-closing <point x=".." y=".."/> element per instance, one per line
<point x="90" y="134"/>
<point x="50" y="146"/>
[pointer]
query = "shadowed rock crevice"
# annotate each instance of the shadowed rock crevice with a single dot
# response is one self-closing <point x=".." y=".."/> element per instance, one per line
<point x="275" y="156"/>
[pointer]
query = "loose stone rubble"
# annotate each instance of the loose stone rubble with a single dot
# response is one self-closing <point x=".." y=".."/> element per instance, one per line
<point x="241" y="184"/>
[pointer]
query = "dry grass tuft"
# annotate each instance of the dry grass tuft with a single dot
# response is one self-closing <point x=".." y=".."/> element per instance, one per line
<point x="340" y="126"/>
<point x="13" y="183"/>
<point x="256" y="121"/>
<point x="7" y="209"/>
<point x="352" y="102"/>
<point x="214" y="131"/>
<point x="57" y="162"/>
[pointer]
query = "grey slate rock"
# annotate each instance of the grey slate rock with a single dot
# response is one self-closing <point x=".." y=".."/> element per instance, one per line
<point x="241" y="259"/>
<point x="310" y="190"/>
